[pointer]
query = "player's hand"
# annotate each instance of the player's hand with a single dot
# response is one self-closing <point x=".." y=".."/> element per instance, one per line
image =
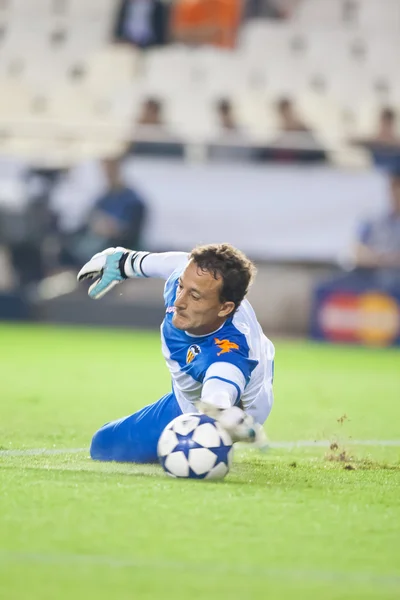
<point x="107" y="268"/>
<point x="240" y="426"/>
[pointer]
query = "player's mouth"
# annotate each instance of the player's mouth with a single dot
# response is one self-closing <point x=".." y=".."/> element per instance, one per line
<point x="179" y="315"/>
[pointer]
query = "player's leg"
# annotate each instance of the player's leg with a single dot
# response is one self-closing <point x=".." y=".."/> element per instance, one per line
<point x="135" y="438"/>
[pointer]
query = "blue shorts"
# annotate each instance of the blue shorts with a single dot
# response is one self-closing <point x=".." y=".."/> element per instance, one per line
<point x="135" y="438"/>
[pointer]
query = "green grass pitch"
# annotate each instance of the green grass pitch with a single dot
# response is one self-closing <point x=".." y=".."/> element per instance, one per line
<point x="309" y="522"/>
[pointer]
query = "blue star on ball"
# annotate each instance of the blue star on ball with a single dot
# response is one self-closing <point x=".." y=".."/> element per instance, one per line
<point x="186" y="443"/>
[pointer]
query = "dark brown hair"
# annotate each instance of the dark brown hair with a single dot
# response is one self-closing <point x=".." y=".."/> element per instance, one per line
<point x="223" y="260"/>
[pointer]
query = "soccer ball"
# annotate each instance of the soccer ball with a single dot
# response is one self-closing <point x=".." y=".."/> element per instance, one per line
<point x="196" y="447"/>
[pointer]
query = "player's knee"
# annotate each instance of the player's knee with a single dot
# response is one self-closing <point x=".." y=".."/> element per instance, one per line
<point x="102" y="446"/>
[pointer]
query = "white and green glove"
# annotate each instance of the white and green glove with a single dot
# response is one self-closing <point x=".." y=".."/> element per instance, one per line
<point x="110" y="267"/>
<point x="240" y="426"/>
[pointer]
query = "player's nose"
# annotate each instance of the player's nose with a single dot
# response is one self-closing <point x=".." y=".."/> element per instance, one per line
<point x="180" y="301"/>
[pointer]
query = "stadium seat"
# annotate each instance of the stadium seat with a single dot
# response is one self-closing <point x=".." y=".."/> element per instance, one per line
<point x="217" y="72"/>
<point x="91" y="10"/>
<point x="378" y="15"/>
<point x="278" y="52"/>
<point x="63" y="72"/>
<point x="320" y="12"/>
<point x="382" y="53"/>
<point x="167" y="70"/>
<point x="257" y="114"/>
<point x="15" y="101"/>
<point x="335" y="49"/>
<point x="265" y="39"/>
<point x="22" y="11"/>
<point x="111" y="66"/>
<point x="321" y="113"/>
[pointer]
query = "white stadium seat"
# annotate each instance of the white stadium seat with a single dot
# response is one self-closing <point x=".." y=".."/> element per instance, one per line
<point x="277" y="53"/>
<point x="165" y="72"/>
<point x="20" y="10"/>
<point x="321" y="113"/>
<point x="335" y="48"/>
<point x="111" y="67"/>
<point x="379" y="15"/>
<point x="216" y="72"/>
<point x="15" y="102"/>
<point x="320" y="12"/>
<point x="60" y="72"/>
<point x="263" y="39"/>
<point x="359" y="14"/>
<point x="92" y="9"/>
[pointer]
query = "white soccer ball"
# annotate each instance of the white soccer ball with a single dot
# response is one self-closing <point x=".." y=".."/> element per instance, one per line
<point x="195" y="446"/>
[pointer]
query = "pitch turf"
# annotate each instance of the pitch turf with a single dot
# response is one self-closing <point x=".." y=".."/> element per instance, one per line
<point x="303" y="523"/>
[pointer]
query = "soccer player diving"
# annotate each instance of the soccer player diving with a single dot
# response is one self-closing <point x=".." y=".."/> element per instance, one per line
<point x="220" y="361"/>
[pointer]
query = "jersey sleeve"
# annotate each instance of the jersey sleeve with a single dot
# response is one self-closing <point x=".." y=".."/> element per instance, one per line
<point x="158" y="264"/>
<point x="229" y="363"/>
<point x="223" y="384"/>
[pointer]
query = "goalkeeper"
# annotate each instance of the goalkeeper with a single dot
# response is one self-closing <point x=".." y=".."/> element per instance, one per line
<point x="220" y="361"/>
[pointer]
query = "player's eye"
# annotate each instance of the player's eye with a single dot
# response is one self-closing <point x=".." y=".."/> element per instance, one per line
<point x="195" y="297"/>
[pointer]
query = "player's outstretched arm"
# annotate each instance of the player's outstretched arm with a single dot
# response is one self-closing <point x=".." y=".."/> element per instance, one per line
<point x="114" y="265"/>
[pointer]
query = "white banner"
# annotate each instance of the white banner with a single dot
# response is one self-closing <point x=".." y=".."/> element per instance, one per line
<point x="309" y="213"/>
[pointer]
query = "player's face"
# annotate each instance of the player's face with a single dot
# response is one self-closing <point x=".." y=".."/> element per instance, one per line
<point x="198" y="306"/>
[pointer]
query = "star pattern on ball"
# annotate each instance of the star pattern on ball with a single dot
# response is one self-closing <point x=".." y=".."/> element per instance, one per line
<point x="186" y="443"/>
<point x="206" y="419"/>
<point x="221" y="452"/>
<point x="193" y="475"/>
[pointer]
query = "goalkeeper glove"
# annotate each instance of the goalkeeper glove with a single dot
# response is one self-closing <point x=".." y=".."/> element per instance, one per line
<point x="110" y="267"/>
<point x="240" y="426"/>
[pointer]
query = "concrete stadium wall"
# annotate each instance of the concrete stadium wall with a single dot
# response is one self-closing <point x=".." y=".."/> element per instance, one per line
<point x="282" y="296"/>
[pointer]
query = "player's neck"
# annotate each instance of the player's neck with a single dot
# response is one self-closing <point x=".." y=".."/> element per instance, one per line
<point x="207" y="330"/>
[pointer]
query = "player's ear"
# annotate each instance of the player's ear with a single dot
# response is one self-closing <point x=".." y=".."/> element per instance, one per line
<point x="226" y="309"/>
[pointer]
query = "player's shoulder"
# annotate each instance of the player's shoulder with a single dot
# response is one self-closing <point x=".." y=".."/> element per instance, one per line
<point x="229" y="345"/>
<point x="245" y="321"/>
<point x="227" y="341"/>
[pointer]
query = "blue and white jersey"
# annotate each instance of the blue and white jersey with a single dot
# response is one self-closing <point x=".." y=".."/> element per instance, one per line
<point x="237" y="354"/>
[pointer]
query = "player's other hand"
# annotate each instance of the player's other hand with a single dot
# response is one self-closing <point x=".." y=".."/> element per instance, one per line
<point x="107" y="268"/>
<point x="240" y="426"/>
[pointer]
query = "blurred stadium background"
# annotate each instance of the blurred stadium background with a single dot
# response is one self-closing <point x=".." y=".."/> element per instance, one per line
<point x="156" y="124"/>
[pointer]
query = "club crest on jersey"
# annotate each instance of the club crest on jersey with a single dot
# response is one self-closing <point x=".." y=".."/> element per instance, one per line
<point x="193" y="351"/>
<point x="225" y="346"/>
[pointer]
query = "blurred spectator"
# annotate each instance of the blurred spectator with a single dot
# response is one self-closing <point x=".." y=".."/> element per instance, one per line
<point x="231" y="142"/>
<point x="28" y="233"/>
<point x="117" y="219"/>
<point x="296" y="142"/>
<point x="226" y="118"/>
<point x="143" y="23"/>
<point x="378" y="244"/>
<point x="198" y="22"/>
<point x="151" y="113"/>
<point x="289" y="121"/>
<point x="151" y="135"/>
<point x="269" y="9"/>
<point x="384" y="144"/>
<point x="386" y="131"/>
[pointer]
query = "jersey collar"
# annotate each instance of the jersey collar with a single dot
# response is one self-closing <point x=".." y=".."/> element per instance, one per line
<point x="205" y="334"/>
